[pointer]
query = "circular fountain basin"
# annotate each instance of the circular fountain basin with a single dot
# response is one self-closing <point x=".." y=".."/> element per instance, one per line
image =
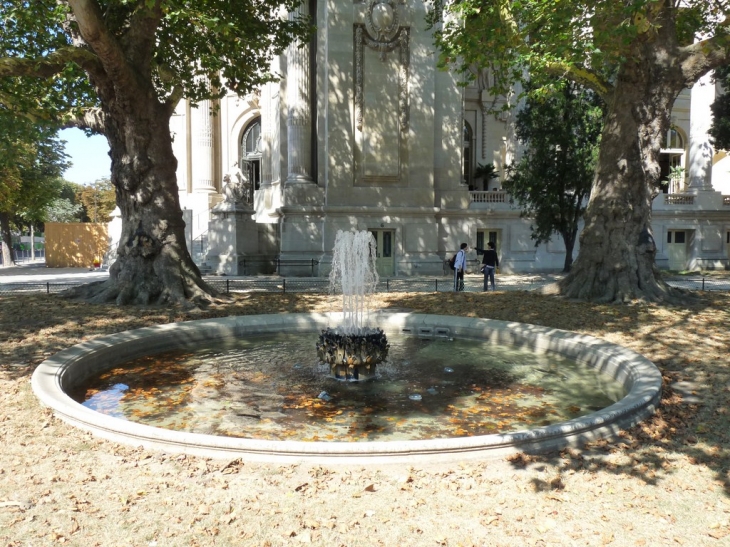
<point x="640" y="378"/>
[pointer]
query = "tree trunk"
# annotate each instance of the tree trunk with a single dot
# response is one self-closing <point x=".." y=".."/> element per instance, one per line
<point x="8" y="252"/>
<point x="569" y="242"/>
<point x="617" y="249"/>
<point x="153" y="264"/>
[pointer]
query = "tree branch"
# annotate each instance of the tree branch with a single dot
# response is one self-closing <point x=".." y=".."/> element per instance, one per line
<point x="705" y="55"/>
<point x="50" y="65"/>
<point x="582" y="76"/>
<point x="95" y="32"/>
<point x="92" y="119"/>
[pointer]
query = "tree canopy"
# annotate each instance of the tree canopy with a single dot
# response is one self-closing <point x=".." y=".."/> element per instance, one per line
<point x="560" y="129"/>
<point x="97" y="200"/>
<point x="720" y="130"/>
<point x="638" y="55"/>
<point x="65" y="58"/>
<point x="119" y="68"/>
<point x="32" y="160"/>
<point x="586" y="41"/>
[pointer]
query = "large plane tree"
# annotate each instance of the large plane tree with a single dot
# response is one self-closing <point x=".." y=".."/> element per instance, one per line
<point x="638" y="55"/>
<point x="119" y="68"/>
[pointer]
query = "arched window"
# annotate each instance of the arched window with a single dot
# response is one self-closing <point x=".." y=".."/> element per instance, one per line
<point x="250" y="153"/>
<point x="468" y="155"/>
<point x="671" y="162"/>
<point x="673" y="140"/>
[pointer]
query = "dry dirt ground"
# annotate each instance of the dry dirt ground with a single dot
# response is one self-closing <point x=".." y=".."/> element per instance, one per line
<point x="665" y="482"/>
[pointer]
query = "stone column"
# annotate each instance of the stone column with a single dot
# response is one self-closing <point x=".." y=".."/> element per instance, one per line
<point x="267" y="134"/>
<point x="299" y="119"/>
<point x="203" y="149"/>
<point x="700" y="149"/>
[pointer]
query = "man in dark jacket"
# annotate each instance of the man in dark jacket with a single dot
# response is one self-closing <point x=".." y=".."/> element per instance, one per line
<point x="490" y="262"/>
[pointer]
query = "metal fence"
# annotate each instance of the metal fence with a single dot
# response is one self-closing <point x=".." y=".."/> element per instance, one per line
<point x="393" y="285"/>
<point x="26" y="255"/>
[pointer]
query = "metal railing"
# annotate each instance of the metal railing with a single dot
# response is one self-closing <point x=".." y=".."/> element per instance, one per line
<point x="25" y="255"/>
<point x="319" y="285"/>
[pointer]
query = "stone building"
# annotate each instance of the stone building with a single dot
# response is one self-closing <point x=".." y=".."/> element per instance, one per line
<point x="364" y="132"/>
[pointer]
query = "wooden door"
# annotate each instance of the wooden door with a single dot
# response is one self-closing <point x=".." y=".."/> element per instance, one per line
<point x="384" y="258"/>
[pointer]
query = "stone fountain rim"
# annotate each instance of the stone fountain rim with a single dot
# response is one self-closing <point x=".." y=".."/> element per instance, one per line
<point x="640" y="377"/>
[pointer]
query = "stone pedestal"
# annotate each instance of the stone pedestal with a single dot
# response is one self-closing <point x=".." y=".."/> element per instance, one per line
<point x="233" y="237"/>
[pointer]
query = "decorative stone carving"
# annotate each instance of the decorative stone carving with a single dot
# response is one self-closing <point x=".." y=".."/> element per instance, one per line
<point x="389" y="38"/>
<point x="237" y="187"/>
<point x="381" y="20"/>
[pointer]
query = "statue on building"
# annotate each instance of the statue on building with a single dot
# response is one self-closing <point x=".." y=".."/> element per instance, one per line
<point x="237" y="186"/>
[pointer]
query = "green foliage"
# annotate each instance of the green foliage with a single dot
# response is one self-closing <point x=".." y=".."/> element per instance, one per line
<point x="63" y="210"/>
<point x="53" y="65"/>
<point x="582" y="40"/>
<point x="720" y="130"/>
<point x="486" y="172"/>
<point x="98" y="200"/>
<point x="561" y="131"/>
<point x="31" y="163"/>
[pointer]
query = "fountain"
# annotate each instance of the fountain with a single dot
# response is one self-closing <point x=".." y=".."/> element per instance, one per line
<point x="352" y="350"/>
<point x="62" y="373"/>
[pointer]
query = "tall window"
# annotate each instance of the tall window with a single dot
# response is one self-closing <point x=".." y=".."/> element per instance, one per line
<point x="468" y="155"/>
<point x="670" y="162"/>
<point x="250" y="153"/>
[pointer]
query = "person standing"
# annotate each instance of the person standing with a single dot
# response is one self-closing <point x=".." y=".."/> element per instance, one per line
<point x="460" y="268"/>
<point x="490" y="262"/>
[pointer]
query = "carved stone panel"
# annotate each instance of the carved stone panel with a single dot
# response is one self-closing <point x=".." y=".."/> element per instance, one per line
<point x="382" y="60"/>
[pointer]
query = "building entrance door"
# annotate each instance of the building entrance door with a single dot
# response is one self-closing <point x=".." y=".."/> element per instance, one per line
<point x="677" y="249"/>
<point x="484" y="236"/>
<point x="384" y="260"/>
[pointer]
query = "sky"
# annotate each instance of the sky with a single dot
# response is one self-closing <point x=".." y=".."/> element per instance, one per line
<point x="89" y="155"/>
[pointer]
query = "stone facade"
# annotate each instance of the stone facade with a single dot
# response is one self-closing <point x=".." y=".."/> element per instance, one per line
<point x="364" y="132"/>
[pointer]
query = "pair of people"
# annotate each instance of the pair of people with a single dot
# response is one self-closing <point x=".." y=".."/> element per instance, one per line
<point x="490" y="262"/>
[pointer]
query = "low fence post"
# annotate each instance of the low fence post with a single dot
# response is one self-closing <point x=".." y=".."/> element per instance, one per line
<point x="228" y="287"/>
<point x="283" y="286"/>
<point x="387" y="285"/>
<point x="48" y="288"/>
<point x="703" y="283"/>
<point x="437" y="284"/>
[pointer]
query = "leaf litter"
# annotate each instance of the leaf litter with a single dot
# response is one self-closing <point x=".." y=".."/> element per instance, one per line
<point x="665" y="481"/>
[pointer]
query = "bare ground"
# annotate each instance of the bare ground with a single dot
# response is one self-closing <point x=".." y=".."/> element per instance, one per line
<point x="666" y="482"/>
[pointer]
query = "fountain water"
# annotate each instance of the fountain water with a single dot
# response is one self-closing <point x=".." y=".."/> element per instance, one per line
<point x="352" y="349"/>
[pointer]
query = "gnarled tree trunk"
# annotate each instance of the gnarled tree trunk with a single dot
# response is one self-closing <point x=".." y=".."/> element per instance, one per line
<point x="153" y="264"/>
<point x="617" y="249"/>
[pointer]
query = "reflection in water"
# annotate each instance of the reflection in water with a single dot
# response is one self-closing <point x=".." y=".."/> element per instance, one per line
<point x="272" y="388"/>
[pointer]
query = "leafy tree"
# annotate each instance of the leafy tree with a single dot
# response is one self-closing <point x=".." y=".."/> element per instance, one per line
<point x="720" y="130"/>
<point x="551" y="182"/>
<point x="31" y="162"/>
<point x="119" y="68"/>
<point x="66" y="208"/>
<point x="98" y="200"/>
<point x="638" y="55"/>
<point x="63" y="210"/>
